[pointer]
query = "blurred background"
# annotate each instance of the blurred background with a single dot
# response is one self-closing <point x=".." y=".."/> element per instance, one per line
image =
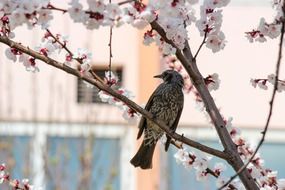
<point x="55" y="131"/>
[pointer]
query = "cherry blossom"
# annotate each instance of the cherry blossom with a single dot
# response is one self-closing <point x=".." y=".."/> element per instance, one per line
<point x="201" y="175"/>
<point x="29" y="63"/>
<point x="85" y="56"/>
<point x="213" y="82"/>
<point x="130" y="115"/>
<point x="175" y="17"/>
<point x="263" y="83"/>
<point x="76" y="11"/>
<point x="221" y="181"/>
<point x="216" y="41"/>
<point x="112" y="80"/>
<point x="14" y="183"/>
<point x="219" y="168"/>
<point x="267" y="29"/>
<point x="148" y="37"/>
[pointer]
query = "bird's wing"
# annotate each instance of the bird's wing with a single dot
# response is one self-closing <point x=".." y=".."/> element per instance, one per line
<point x="142" y="123"/>
<point x="174" y="126"/>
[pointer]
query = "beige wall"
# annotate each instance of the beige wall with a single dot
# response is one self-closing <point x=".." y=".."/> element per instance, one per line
<point x="236" y="64"/>
<point x="51" y="94"/>
<point x="148" y="67"/>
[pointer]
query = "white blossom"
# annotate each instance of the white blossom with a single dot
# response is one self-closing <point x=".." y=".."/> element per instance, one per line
<point x="130" y="115"/>
<point x="44" y="17"/>
<point x="262" y="85"/>
<point x="214" y="83"/>
<point x="201" y="163"/>
<point x="221" y="181"/>
<point x="201" y="175"/>
<point x="76" y="11"/>
<point x="96" y="5"/>
<point x="271" y="78"/>
<point x="253" y="82"/>
<point x="167" y="49"/>
<point x="181" y="156"/>
<point x="280" y="86"/>
<point x="216" y="42"/>
<point x="148" y="15"/>
<point x="83" y="54"/>
<point x="10" y="55"/>
<point x="220" y="167"/>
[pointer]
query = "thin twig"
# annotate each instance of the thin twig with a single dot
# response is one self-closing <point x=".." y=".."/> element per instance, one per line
<point x="271" y="103"/>
<point x="60" y="43"/>
<point x="201" y="45"/>
<point x="125" y="2"/>
<point x="110" y="49"/>
<point x="51" y="7"/>
<point x="71" y="54"/>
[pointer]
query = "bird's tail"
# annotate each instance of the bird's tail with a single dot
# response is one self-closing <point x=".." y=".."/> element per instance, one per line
<point x="143" y="157"/>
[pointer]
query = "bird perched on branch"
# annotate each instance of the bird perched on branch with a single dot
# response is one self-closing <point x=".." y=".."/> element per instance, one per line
<point x="166" y="104"/>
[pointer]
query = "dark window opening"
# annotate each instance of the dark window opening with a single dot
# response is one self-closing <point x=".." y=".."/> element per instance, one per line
<point x="86" y="94"/>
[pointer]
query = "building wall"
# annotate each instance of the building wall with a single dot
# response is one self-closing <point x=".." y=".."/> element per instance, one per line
<point x="48" y="98"/>
<point x="50" y="95"/>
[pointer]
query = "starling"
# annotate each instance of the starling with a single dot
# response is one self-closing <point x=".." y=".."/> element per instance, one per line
<point x="166" y="104"/>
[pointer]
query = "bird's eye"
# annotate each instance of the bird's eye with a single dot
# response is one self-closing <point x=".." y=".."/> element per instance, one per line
<point x="167" y="76"/>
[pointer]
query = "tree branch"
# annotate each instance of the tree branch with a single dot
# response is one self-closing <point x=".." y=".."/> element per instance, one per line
<point x="201" y="45"/>
<point x="271" y="104"/>
<point x="63" y="45"/>
<point x="189" y="63"/>
<point x="110" y="51"/>
<point x="113" y="93"/>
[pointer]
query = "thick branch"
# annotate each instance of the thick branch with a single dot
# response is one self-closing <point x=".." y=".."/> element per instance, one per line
<point x="113" y="93"/>
<point x="189" y="63"/>
<point x="271" y="103"/>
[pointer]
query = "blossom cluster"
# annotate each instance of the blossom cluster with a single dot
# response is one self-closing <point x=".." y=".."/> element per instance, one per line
<point x="99" y="13"/>
<point x="200" y="163"/>
<point x="112" y="80"/>
<point x="212" y="81"/>
<point x="210" y="23"/>
<point x="265" y="177"/>
<point x="263" y="83"/>
<point x="17" y="13"/>
<point x="28" y="61"/>
<point x="174" y="16"/>
<point x="14" y="183"/>
<point x="265" y="29"/>
<point x="52" y="43"/>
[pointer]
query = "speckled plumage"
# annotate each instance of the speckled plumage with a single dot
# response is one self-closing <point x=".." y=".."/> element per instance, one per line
<point x="166" y="104"/>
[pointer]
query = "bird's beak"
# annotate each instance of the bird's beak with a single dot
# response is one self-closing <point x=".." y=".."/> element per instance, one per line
<point x="157" y="76"/>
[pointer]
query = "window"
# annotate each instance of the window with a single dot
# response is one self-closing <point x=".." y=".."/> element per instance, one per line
<point x="86" y="94"/>
<point x="15" y="153"/>
<point x="83" y="163"/>
<point x="68" y="156"/>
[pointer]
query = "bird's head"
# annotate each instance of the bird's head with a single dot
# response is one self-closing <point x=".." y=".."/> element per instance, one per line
<point x="171" y="76"/>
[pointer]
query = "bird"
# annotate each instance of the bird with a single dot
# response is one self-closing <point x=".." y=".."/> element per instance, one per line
<point x="165" y="104"/>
